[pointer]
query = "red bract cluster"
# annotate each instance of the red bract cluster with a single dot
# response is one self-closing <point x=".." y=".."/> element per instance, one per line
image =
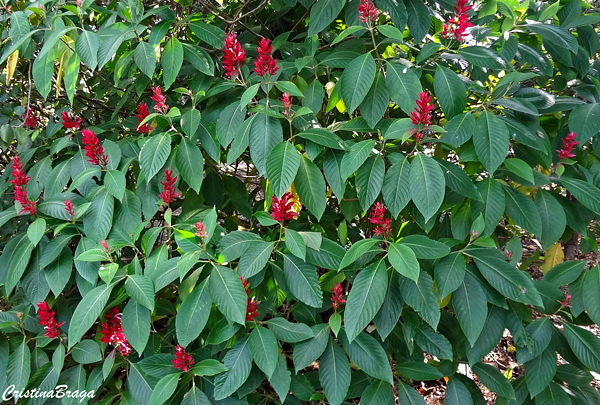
<point x="70" y="121"/>
<point x="367" y="11"/>
<point x="252" y="307"/>
<point x="422" y="113"/>
<point x="69" y="208"/>
<point x="457" y="26"/>
<point x="384" y="225"/>
<point x="20" y="180"/>
<point x="182" y="361"/>
<point x="336" y="297"/>
<point x="569" y="144"/>
<point x="168" y="183"/>
<point x="30" y="120"/>
<point x="48" y="321"/>
<point x="93" y="150"/>
<point x="234" y="56"/>
<point x="160" y="101"/>
<point x="282" y="208"/>
<point x="566" y="302"/>
<point x="201" y="230"/>
<point x="142" y="112"/>
<point x="112" y="332"/>
<point x="287" y="104"/>
<point x="265" y="64"/>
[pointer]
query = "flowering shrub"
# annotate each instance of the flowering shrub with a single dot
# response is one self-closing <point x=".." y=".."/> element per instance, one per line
<point x="300" y="201"/>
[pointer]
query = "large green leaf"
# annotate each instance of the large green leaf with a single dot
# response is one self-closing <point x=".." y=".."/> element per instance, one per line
<point x="404" y="86"/>
<point x="468" y="303"/>
<point x="355" y="157"/>
<point x="522" y="210"/>
<point x="265" y="134"/>
<point x="369" y="179"/>
<point x="457" y="393"/>
<point x="585" y="121"/>
<point x="15" y="256"/>
<point x="322" y="13"/>
<point x="419" y="19"/>
<point x="291" y="332"/>
<point x="163" y="390"/>
<point x="141" y="289"/>
<point x="310" y="350"/>
<point x="334" y="373"/>
<point x="195" y="397"/>
<point x="584" y="344"/>
<point x="540" y="371"/>
<point x="87" y="45"/>
<point x="457" y="180"/>
<point x="227" y="292"/>
<point x="586" y="193"/>
<point x="365" y="298"/>
<point x="145" y="58"/>
<point x="154" y="154"/>
<point x="239" y="362"/>
<point x="591" y="293"/>
<point x="492" y="378"/>
<point x="136" y="325"/>
<point x="282" y="165"/>
<point x="491" y="140"/>
<point x="375" y="102"/>
<point x="564" y="273"/>
<point x="553" y="394"/>
<point x="459" y="129"/>
<point x="254" y="259"/>
<point x="377" y="393"/>
<point x="424" y="247"/>
<point x="483" y="57"/>
<point x="540" y="331"/>
<point x="231" y="125"/>
<point x="281" y="378"/>
<point x="42" y="73"/>
<point x="494" y="201"/>
<point x="87" y="312"/>
<point x="422" y="298"/>
<point x="450" y="91"/>
<point x="199" y="59"/>
<point x="368" y="354"/>
<point x="387" y="317"/>
<point x="357" y="80"/>
<point x="433" y="342"/>
<point x="18" y="368"/>
<point x="209" y="33"/>
<point x="193" y="314"/>
<point x="450" y="273"/>
<point x="311" y="187"/>
<point x="396" y="186"/>
<point x="302" y="281"/>
<point x="404" y="261"/>
<point x="264" y="350"/>
<point x="190" y="163"/>
<point x="427" y="185"/>
<point x="408" y="395"/>
<point x="552" y="215"/>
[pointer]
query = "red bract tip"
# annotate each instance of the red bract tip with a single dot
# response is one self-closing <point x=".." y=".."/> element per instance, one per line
<point x="384" y="225"/>
<point x="182" y="361"/>
<point x="20" y="180"/>
<point x="367" y="11"/>
<point x="252" y="305"/>
<point x="234" y="56"/>
<point x="569" y="144"/>
<point x="93" y="150"/>
<point x="287" y="104"/>
<point x="201" y="230"/>
<point x="566" y="302"/>
<point x="456" y="27"/>
<point x="168" y="183"/>
<point x="70" y="121"/>
<point x="48" y="321"/>
<point x="160" y="100"/>
<point x="30" y="120"/>
<point x="112" y="332"/>
<point x="69" y="208"/>
<point x="337" y="297"/>
<point x="142" y="113"/>
<point x="265" y="64"/>
<point x="282" y="208"/>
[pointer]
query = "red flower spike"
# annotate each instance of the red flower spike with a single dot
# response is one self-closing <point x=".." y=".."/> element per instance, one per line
<point x="234" y="56"/>
<point x="282" y="208"/>
<point x="112" y="332"/>
<point x="20" y="180"/>
<point x="566" y="302"/>
<point x="569" y="144"/>
<point x="265" y="64"/>
<point x="252" y="306"/>
<point x="182" y="361"/>
<point x="367" y="11"/>
<point x="69" y="208"/>
<point x="48" y="321"/>
<point x="160" y="100"/>
<point x="422" y="113"/>
<point x="30" y="120"/>
<point x="70" y="121"/>
<point x="168" y="183"/>
<point x="142" y="113"/>
<point x="456" y="27"/>
<point x="384" y="225"/>
<point x="287" y="104"/>
<point x="201" y="230"/>
<point x="336" y="297"/>
<point x="93" y="150"/>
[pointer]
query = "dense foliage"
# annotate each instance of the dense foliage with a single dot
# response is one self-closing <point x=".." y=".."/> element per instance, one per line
<point x="298" y="200"/>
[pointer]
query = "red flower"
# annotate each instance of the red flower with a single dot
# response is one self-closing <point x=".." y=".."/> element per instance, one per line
<point x="336" y="297"/>
<point x="142" y="112"/>
<point x="384" y="225"/>
<point x="112" y="332"/>
<point x="252" y="307"/>
<point x="566" y="302"/>
<point x="568" y="144"/>
<point x="93" y="150"/>
<point x="367" y="11"/>
<point x="234" y="56"/>
<point x="104" y="245"/>
<point x="422" y="113"/>
<point x="265" y="64"/>
<point x="287" y="104"/>
<point x="168" y="187"/>
<point x="160" y="100"/>
<point x="456" y="27"/>
<point x="69" y="208"/>
<point x="30" y="120"/>
<point x="182" y="361"/>
<point x="282" y="209"/>
<point x="48" y="321"/>
<point x="70" y="121"/>
<point x="20" y="180"/>
<point x="201" y="230"/>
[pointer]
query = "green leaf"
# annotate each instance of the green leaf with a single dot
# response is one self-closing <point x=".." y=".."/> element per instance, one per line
<point x="553" y="394"/>
<point x="591" y="293"/>
<point x="322" y="13"/>
<point x="114" y="181"/>
<point x="564" y="273"/>
<point x="494" y="201"/>
<point x="422" y="298"/>
<point x="459" y="129"/>
<point x="190" y="122"/>
<point x="59" y="271"/>
<point x="282" y="165"/>
<point x="154" y="154"/>
<point x="265" y="134"/>
<point x="377" y="393"/>
<point x="42" y="72"/>
<point x="396" y="186"/>
<point x="310" y="350"/>
<point x="433" y="342"/>
<point x="357" y="250"/>
<point x="489" y="337"/>
<point x="369" y="179"/>
<point x="171" y="61"/>
<point x="357" y="80"/>
<point x="18" y="368"/>
<point x="295" y="243"/>
<point x="302" y="281"/>
<point x="419" y="19"/>
<point x="209" y="367"/>
<point x="234" y="244"/>
<point x="404" y="86"/>
<point x="469" y="305"/>
<point x="367" y="353"/>
<point x="585" y="121"/>
<point x="254" y="259"/>
<point x="195" y="397"/>
<point x="491" y="140"/>
<point x="264" y="350"/>
<point x="355" y="157"/>
<point x="483" y="57"/>
<point x="86" y="352"/>
<point x="540" y="331"/>
<point x="289" y="87"/>
<point x="87" y="45"/>
<point x="404" y="261"/>
<point x="87" y="312"/>
<point x="239" y="362"/>
<point x="290" y="332"/>
<point x="136" y="325"/>
<point x="376" y="102"/>
<point x="347" y="32"/>
<point x="141" y="289"/>
<point x="522" y="210"/>
<point x="228" y="294"/>
<point x="198" y="59"/>
<point x="322" y="137"/>
<point x="281" y="378"/>
<point x="553" y="217"/>
<point x="457" y="393"/>
<point x="493" y="379"/>
<point x="418" y="371"/>
<point x="450" y="91"/>
<point x="458" y="181"/>
<point x="99" y="216"/>
<point x="408" y="395"/>
<point x="36" y="230"/>
<point x="190" y="163"/>
<point x="450" y="273"/>
<point x="163" y="390"/>
<point x="311" y="187"/>
<point x="424" y="247"/>
<point x="209" y="33"/>
<point x="193" y="314"/>
<point x="145" y="58"/>
<point x="540" y="371"/>
<point x="426" y="185"/>
<point x="584" y="344"/>
<point x="586" y="193"/>
<point x="334" y="373"/>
